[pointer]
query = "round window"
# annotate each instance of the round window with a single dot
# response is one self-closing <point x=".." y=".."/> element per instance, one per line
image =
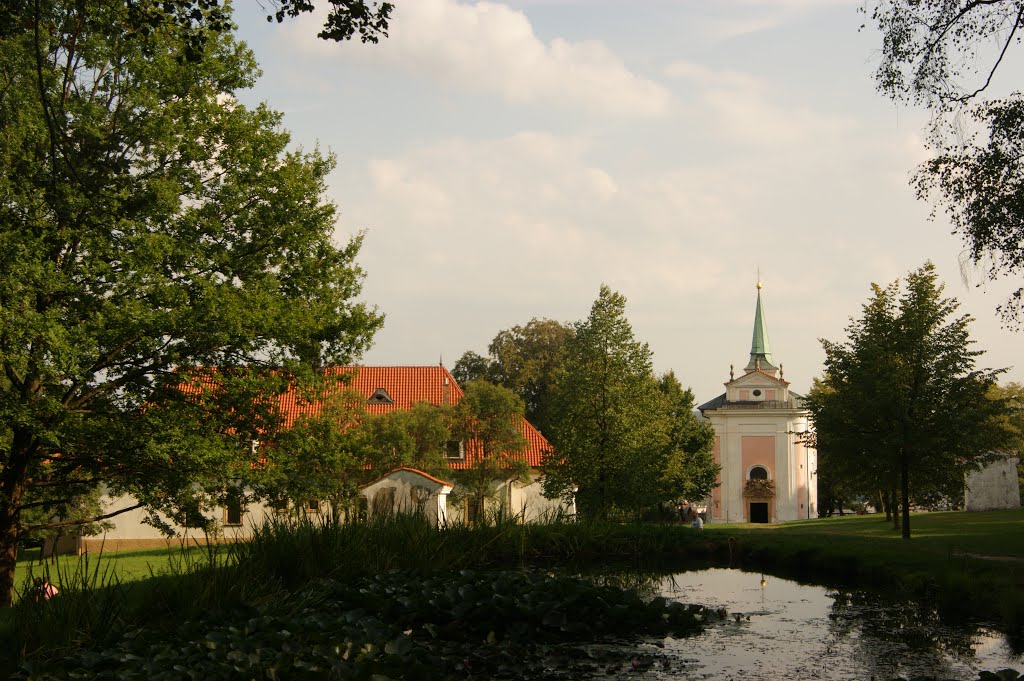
<point x="757" y="393"/>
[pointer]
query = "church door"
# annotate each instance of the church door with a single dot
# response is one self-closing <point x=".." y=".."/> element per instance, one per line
<point x="759" y="511"/>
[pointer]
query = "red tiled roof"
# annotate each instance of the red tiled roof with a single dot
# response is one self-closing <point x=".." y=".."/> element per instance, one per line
<point x="406" y="386"/>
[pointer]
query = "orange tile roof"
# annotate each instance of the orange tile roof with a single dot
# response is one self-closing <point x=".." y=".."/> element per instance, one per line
<point x="406" y="385"/>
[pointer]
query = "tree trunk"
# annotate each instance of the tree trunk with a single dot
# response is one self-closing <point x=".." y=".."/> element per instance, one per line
<point x="9" y="521"/>
<point x="894" y="505"/>
<point x="905" y="490"/>
<point x="12" y="492"/>
<point x="883" y="503"/>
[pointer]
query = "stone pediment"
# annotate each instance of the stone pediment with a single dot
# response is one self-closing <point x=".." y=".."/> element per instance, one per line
<point x="757" y="386"/>
<point x="757" y="379"/>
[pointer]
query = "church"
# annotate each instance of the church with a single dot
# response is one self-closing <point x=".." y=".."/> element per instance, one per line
<point x="768" y="473"/>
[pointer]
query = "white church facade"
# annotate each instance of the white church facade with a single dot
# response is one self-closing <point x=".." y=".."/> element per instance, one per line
<point x="768" y="473"/>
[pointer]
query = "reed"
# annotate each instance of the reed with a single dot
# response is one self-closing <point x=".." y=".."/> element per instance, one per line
<point x="951" y="561"/>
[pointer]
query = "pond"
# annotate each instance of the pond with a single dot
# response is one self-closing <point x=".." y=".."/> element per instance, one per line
<point x="793" y="631"/>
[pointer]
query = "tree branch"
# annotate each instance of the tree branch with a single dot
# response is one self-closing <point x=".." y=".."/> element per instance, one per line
<point x="86" y="521"/>
<point x="992" y="72"/>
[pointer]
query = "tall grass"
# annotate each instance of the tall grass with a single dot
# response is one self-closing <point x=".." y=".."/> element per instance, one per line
<point x="285" y="556"/>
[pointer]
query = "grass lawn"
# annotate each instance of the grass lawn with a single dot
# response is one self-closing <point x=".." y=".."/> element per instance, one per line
<point x="122" y="567"/>
<point x="989" y="533"/>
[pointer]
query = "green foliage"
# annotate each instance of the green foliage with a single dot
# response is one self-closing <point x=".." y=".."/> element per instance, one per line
<point x="318" y="457"/>
<point x="401" y="625"/>
<point x="690" y="469"/>
<point x="470" y="367"/>
<point x="902" y="405"/>
<point x="286" y="560"/>
<point x="151" y="225"/>
<point x="346" y="18"/>
<point x="414" y="438"/>
<point x="1010" y="421"/>
<point x="943" y="55"/>
<point x="525" y="359"/>
<point x="489" y="419"/>
<point x="610" y="431"/>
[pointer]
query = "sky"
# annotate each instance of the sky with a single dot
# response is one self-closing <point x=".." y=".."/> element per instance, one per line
<point x="506" y="159"/>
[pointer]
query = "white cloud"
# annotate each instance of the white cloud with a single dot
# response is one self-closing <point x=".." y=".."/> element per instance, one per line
<point x="492" y="48"/>
<point x="741" y="107"/>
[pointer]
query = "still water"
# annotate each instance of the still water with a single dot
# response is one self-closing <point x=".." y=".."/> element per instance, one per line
<point x="796" y="631"/>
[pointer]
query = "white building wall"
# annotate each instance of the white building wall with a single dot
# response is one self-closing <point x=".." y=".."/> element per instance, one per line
<point x="130" y="531"/>
<point x="403" y="482"/>
<point x="994" y="487"/>
<point x="528" y="503"/>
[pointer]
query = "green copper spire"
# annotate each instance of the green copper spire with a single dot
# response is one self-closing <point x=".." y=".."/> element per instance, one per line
<point x="760" y="350"/>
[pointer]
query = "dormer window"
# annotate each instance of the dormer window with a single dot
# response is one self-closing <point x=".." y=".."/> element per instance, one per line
<point x="455" y="450"/>
<point x="380" y="396"/>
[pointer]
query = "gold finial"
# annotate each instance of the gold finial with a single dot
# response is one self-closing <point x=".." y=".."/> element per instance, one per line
<point x="758" y="278"/>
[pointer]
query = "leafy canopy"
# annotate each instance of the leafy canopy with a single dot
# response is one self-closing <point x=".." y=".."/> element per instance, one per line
<point x="945" y="55"/>
<point x="150" y="225"/>
<point x="902" y="404"/>
<point x="621" y="438"/>
<point x="525" y="359"/>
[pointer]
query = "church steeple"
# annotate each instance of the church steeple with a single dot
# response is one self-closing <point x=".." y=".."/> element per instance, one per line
<point x="760" y="350"/>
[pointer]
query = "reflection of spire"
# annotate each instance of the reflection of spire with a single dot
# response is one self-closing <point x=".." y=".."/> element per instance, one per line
<point x="760" y="351"/>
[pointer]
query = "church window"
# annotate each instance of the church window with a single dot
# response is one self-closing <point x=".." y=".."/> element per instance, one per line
<point x="758" y="473"/>
<point x="757" y="393"/>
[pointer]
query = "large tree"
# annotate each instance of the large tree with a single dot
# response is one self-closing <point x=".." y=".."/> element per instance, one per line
<point x="489" y="420"/>
<point x="903" y="402"/>
<point x="690" y="468"/>
<point x="150" y="225"/>
<point x="322" y="455"/>
<point x="525" y="359"/>
<point x="610" y="431"/>
<point x="944" y="54"/>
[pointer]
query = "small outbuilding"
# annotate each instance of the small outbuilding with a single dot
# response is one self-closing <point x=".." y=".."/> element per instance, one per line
<point x="407" y="490"/>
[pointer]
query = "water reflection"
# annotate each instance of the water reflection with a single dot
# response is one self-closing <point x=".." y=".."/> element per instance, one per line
<point x="788" y="630"/>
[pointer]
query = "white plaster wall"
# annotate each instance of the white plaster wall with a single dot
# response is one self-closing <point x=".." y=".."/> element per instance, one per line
<point x="129" y="530"/>
<point x="994" y="487"/>
<point x="528" y="502"/>
<point x="402" y="481"/>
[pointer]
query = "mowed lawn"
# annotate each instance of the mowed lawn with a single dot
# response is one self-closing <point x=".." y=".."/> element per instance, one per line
<point x="105" y="568"/>
<point x="988" y="534"/>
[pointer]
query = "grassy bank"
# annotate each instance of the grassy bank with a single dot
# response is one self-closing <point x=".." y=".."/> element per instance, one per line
<point x="969" y="563"/>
